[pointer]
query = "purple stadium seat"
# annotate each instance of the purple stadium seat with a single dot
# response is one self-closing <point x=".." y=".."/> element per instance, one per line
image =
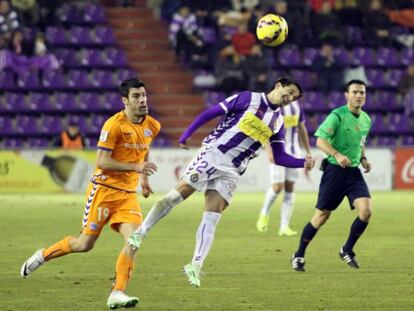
<point x="376" y="77"/>
<point x="7" y="79"/>
<point x="67" y="13"/>
<point x="335" y="99"/>
<point x="343" y="56"/>
<point x="64" y="102"/>
<point x="111" y="102"/>
<point x="26" y="125"/>
<point x="364" y="56"/>
<point x="103" y="35"/>
<point x="408" y="140"/>
<point x="50" y="125"/>
<point x="56" y="35"/>
<point x="389" y="141"/>
<point x="28" y="80"/>
<point x="305" y="78"/>
<point x="314" y="101"/>
<point x="14" y="102"/>
<point x="114" y="57"/>
<point x="378" y="124"/>
<point x="124" y="73"/>
<point x="89" y="101"/>
<point x="308" y="56"/>
<point x="289" y="56"/>
<point x="103" y="79"/>
<point x="80" y="35"/>
<point x="78" y="79"/>
<point x="388" y="57"/>
<point x="6" y="125"/>
<point x="54" y="79"/>
<point x="38" y="102"/>
<point x="93" y="13"/>
<point x="387" y="101"/>
<point x="13" y="143"/>
<point x="399" y="123"/>
<point x="395" y="76"/>
<point x="98" y="121"/>
<point x="39" y="142"/>
<point x="407" y="56"/>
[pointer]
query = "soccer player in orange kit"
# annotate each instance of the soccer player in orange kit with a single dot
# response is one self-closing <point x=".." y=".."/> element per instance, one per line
<point x="111" y="195"/>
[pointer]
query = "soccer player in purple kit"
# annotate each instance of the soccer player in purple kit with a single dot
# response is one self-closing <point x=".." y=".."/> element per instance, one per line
<point x="250" y="120"/>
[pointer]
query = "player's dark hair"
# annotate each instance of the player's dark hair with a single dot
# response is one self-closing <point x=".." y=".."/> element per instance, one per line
<point x="354" y="81"/>
<point x="285" y="81"/>
<point x="128" y="84"/>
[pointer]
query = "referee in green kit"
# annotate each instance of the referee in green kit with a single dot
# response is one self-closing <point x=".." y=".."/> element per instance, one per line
<point x="342" y="137"/>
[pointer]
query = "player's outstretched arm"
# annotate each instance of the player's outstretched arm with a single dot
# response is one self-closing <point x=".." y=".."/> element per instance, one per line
<point x="199" y="121"/>
<point x="284" y="159"/>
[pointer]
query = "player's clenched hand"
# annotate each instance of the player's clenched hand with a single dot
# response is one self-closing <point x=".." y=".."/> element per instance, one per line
<point x="146" y="168"/>
<point x="342" y="160"/>
<point x="366" y="165"/>
<point x="184" y="146"/>
<point x="146" y="189"/>
<point x="309" y="162"/>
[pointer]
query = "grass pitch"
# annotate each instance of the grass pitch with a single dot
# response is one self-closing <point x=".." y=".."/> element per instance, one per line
<point x="245" y="270"/>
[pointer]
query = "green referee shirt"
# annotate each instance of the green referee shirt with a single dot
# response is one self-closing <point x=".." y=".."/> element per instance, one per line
<point x="346" y="132"/>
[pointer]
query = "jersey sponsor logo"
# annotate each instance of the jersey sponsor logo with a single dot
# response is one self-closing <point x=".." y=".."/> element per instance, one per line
<point x="194" y="177"/>
<point x="93" y="226"/>
<point x="291" y="121"/>
<point x="147" y="133"/>
<point x="104" y="136"/>
<point x="407" y="173"/>
<point x="231" y="186"/>
<point x="136" y="146"/>
<point x="255" y="128"/>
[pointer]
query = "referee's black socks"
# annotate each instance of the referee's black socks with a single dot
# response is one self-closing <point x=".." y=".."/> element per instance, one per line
<point x="358" y="227"/>
<point x="307" y="235"/>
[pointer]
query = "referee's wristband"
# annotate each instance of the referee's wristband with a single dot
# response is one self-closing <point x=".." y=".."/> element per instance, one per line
<point x="363" y="158"/>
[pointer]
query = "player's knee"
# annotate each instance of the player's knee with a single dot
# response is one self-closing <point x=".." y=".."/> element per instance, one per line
<point x="365" y="213"/>
<point x="84" y="246"/>
<point x="277" y="188"/>
<point x="319" y="219"/>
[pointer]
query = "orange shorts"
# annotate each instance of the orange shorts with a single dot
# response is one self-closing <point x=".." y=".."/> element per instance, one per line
<point x="105" y="204"/>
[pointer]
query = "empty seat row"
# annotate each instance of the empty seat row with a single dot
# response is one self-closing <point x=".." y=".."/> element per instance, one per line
<point x="78" y="35"/>
<point x="292" y="56"/>
<point x="60" y="102"/>
<point x="106" y="57"/>
<point x="62" y="80"/>
<point x="81" y="13"/>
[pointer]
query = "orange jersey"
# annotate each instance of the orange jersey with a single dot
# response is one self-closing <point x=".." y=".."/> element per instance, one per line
<point x="129" y="143"/>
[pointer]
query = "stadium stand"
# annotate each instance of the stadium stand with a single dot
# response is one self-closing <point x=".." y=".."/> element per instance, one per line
<point x="97" y="45"/>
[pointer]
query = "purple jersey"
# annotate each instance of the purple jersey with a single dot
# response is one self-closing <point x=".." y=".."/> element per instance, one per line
<point x="292" y="116"/>
<point x="250" y="121"/>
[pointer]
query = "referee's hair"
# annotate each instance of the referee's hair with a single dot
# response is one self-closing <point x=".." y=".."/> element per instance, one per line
<point x="354" y="81"/>
<point x="129" y="84"/>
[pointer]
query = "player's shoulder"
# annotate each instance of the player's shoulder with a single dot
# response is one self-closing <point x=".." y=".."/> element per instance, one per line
<point x="115" y="119"/>
<point x="153" y="122"/>
<point x="365" y="116"/>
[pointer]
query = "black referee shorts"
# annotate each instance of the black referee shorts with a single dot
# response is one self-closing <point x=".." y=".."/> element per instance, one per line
<point x="338" y="182"/>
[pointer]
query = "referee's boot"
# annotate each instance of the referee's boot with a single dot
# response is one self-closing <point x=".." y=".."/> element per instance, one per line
<point x="349" y="258"/>
<point x="298" y="263"/>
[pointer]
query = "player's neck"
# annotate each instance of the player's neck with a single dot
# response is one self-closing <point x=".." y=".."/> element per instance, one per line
<point x="133" y="118"/>
<point x="354" y="110"/>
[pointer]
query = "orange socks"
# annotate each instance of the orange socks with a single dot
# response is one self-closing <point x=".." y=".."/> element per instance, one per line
<point x="61" y="248"/>
<point x="124" y="268"/>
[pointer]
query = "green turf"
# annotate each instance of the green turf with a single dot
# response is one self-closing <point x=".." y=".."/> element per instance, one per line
<point x="246" y="270"/>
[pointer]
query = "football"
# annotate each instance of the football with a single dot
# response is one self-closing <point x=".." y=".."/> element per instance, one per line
<point x="272" y="30"/>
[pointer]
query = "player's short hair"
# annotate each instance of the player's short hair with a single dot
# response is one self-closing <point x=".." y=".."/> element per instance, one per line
<point x="285" y="81"/>
<point x="128" y="84"/>
<point x="354" y="81"/>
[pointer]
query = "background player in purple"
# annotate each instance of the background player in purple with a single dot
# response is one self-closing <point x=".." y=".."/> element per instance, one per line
<point x="249" y="121"/>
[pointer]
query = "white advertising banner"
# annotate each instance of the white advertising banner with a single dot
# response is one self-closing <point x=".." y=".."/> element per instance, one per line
<point x="172" y="162"/>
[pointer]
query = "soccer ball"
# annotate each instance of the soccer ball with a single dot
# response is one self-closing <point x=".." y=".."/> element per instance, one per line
<point x="272" y="30"/>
